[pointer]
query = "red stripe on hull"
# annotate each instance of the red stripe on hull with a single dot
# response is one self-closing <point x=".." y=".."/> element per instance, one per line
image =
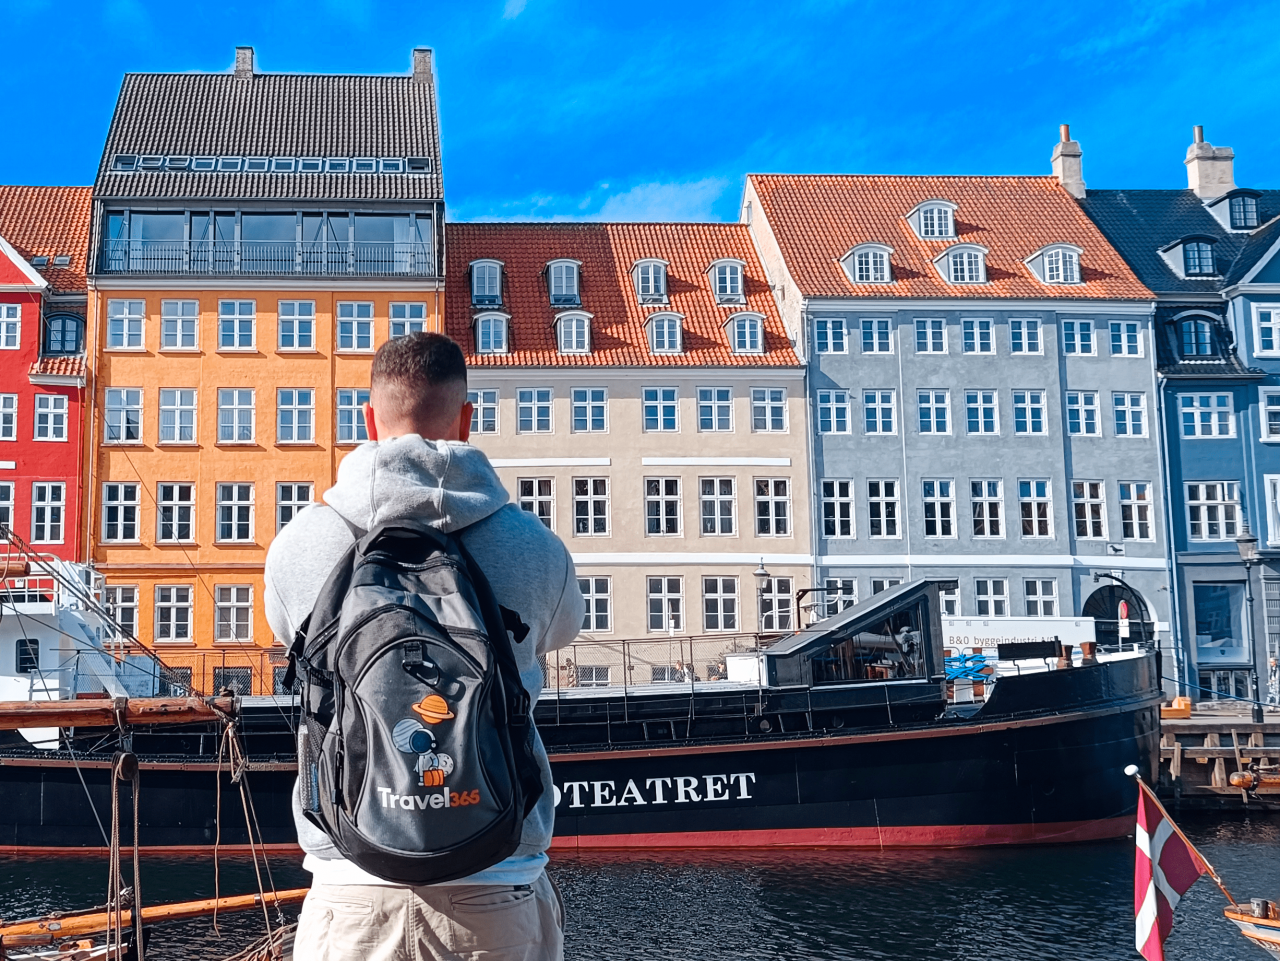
<point x="923" y="836"/>
<point x="24" y="849"/>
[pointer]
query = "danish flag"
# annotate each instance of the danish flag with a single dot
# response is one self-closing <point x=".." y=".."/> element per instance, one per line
<point x="1166" y="867"/>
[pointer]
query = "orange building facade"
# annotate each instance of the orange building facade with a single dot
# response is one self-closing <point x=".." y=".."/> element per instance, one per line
<point x="239" y="296"/>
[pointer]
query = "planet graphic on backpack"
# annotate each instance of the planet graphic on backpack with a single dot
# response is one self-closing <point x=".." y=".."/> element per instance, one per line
<point x="412" y="737"/>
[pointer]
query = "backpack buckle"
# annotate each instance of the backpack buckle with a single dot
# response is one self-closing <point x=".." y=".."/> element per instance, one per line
<point x="412" y="654"/>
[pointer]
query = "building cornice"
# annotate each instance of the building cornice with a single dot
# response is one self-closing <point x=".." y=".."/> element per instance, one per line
<point x="980" y="305"/>
<point x="224" y="282"/>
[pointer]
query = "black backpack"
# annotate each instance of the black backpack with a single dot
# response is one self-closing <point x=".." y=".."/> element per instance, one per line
<point x="416" y="747"/>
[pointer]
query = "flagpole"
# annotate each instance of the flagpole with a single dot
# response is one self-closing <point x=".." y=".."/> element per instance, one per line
<point x="1142" y="785"/>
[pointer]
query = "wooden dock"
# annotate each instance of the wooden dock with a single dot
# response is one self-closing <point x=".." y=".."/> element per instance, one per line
<point x="1199" y="754"/>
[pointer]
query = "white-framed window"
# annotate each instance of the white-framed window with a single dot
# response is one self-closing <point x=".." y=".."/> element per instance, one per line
<point x="936" y="221"/>
<point x="931" y="335"/>
<point x="177" y="415"/>
<point x="486" y="283"/>
<point x="533" y="410"/>
<point x="591" y="506"/>
<point x="939" y="507"/>
<point x="597" y="617"/>
<point x="1024" y="336"/>
<point x="122" y="422"/>
<point x="881" y="584"/>
<point x="833" y="412"/>
<point x="1035" y="507"/>
<point x="120" y="504"/>
<point x="236" y="322"/>
<point x="179" y="324"/>
<point x="537" y="496"/>
<point x="720" y="604"/>
<point x="768" y="409"/>
<point x="296" y="325"/>
<point x="124" y="324"/>
<point x="870" y="266"/>
<point x="726" y="279"/>
<point x="295" y="415"/>
<point x="173" y="612"/>
<point x="1244" y="212"/>
<point x="592" y="675"/>
<point x="718" y="503"/>
<point x="1082" y="412"/>
<point x="484" y="410"/>
<point x="747" y="334"/>
<point x="233" y="612"/>
<point x="1135" y="511"/>
<point x="1028" y="412"/>
<point x="1077" y="337"/>
<point x="1198" y="338"/>
<point x="1207" y="415"/>
<point x="776" y="604"/>
<point x="355" y="325"/>
<point x="664" y="334"/>
<point x="235" y="512"/>
<point x="982" y="412"/>
<point x="351" y="426"/>
<point x="1212" y="511"/>
<point x="1197" y="258"/>
<point x="590" y="409"/>
<point x="935" y="411"/>
<point x="950" y="599"/>
<point x="829" y="335"/>
<point x="878" y="412"/>
<point x="877" y="336"/>
<point x="6" y="504"/>
<point x="408" y="319"/>
<point x="1126" y="338"/>
<point x="661" y="409"/>
<point x="715" y="408"/>
<point x="651" y="282"/>
<point x="51" y="417"/>
<point x="175" y="507"/>
<point x="1130" y="413"/>
<point x="574" y="332"/>
<point x="8" y="416"/>
<point x="491" y="334"/>
<point x="978" y="337"/>
<point x="992" y="596"/>
<point x="235" y="415"/>
<point x="47" y="503"/>
<point x="1267" y="325"/>
<point x="1041" y="596"/>
<point x="987" y="503"/>
<point x="838" y="594"/>
<point x="291" y="498"/>
<point x="1061" y="267"/>
<point x="1089" y="507"/>
<point x="563" y="277"/>
<point x="10" y="326"/>
<point x="666" y="603"/>
<point x="773" y="507"/>
<point x="662" y="506"/>
<point x="837" y="508"/>
<point x="966" y="267"/>
<point x="882" y="508"/>
<point x="122" y="607"/>
<point x="1269" y="401"/>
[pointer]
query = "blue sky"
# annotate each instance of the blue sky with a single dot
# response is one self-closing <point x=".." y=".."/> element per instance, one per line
<point x="586" y="110"/>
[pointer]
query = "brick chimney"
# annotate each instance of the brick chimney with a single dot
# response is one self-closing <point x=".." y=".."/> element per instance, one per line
<point x="1067" y="166"/>
<point x="422" y="65"/>
<point x="244" y="63"/>
<point x="1210" y="169"/>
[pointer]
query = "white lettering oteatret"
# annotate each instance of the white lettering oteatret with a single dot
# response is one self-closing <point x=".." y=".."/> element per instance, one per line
<point x="660" y="790"/>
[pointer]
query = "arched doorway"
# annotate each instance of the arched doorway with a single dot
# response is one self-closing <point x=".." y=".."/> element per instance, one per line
<point x="1103" y="605"/>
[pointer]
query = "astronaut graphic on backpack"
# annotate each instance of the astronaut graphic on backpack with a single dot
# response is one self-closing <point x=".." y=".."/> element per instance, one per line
<point x="412" y="737"/>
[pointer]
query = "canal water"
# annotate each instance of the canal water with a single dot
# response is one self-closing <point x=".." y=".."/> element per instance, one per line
<point x="1071" y="902"/>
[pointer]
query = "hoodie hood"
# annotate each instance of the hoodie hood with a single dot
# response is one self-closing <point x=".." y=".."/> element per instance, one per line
<point x="448" y="484"/>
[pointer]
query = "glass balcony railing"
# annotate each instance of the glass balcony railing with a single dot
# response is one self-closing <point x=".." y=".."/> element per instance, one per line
<point x="355" y="259"/>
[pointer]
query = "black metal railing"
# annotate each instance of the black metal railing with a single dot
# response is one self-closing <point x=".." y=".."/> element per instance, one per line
<point x="355" y="258"/>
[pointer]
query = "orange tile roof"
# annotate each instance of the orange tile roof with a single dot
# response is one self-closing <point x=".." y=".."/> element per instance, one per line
<point x="59" y="367"/>
<point x="818" y="218"/>
<point x="49" y="221"/>
<point x="608" y="252"/>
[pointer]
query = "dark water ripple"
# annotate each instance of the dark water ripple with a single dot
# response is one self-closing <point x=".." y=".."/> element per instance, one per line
<point x="1072" y="902"/>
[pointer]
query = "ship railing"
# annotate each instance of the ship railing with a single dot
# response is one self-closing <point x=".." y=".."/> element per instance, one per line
<point x="973" y="672"/>
<point x="273" y="258"/>
<point x="244" y="670"/>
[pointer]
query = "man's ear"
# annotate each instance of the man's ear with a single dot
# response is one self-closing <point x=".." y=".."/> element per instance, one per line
<point x="464" y="421"/>
<point x="370" y="424"/>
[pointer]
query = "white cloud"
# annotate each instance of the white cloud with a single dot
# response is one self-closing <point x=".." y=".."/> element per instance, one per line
<point x="513" y="9"/>
<point x="690" y="200"/>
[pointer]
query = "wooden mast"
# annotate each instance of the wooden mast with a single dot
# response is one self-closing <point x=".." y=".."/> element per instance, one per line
<point x="108" y="712"/>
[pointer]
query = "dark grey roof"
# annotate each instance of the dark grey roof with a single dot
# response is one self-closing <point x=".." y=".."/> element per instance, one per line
<point x="273" y="115"/>
<point x="1138" y="223"/>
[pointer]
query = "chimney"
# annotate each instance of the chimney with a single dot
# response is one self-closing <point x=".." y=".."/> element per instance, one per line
<point x="1067" y="166"/>
<point x="1210" y="169"/>
<point x="244" y="63"/>
<point x="422" y="64"/>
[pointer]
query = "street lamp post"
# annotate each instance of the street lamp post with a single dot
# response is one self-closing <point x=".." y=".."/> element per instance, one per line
<point x="762" y="576"/>
<point x="1247" y="545"/>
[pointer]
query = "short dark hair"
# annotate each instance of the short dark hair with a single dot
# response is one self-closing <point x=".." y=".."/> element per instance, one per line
<point x="416" y="367"/>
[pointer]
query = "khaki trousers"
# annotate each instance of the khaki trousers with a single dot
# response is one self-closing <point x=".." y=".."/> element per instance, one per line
<point x="448" y="922"/>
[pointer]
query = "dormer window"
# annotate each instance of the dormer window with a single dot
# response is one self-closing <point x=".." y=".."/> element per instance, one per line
<point x="665" y="334"/>
<point x="486" y="283"/>
<point x="933" y="219"/>
<point x="1056" y="264"/>
<point x="1244" y="212"/>
<point x="651" y="281"/>
<point x="562" y="276"/>
<point x="963" y="264"/>
<point x="63" y="334"/>
<point x="868" y="264"/>
<point x="746" y="334"/>
<point x="491" y="334"/>
<point x="1197" y="258"/>
<point x="574" y="333"/>
<point x="1197" y="338"/>
<point x="726" y="281"/>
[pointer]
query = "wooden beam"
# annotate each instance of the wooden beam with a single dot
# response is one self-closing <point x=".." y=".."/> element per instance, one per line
<point x="104" y="712"/>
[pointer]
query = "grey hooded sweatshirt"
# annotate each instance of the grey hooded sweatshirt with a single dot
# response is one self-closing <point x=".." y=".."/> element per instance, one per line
<point x="452" y="486"/>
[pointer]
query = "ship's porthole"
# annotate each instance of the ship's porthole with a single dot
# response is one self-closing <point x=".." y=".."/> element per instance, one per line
<point x="837" y="721"/>
<point x="764" y="725"/>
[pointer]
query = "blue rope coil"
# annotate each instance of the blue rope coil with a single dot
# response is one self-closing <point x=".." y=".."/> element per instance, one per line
<point x="966" y="667"/>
